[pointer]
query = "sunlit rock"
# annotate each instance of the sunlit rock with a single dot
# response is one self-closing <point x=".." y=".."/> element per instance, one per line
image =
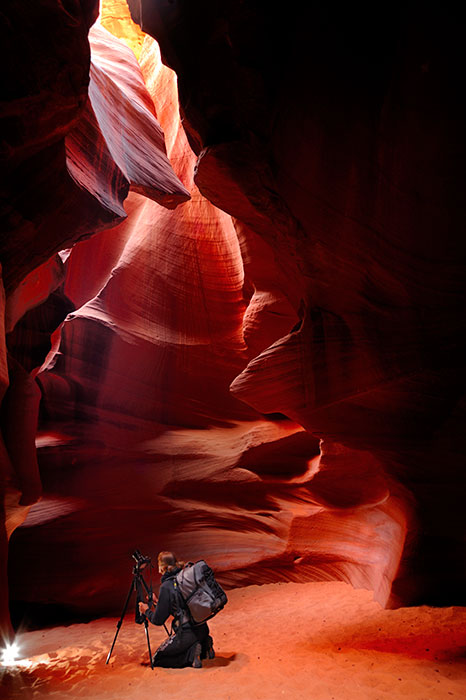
<point x="68" y="162"/>
<point x="272" y="375"/>
<point x="341" y="147"/>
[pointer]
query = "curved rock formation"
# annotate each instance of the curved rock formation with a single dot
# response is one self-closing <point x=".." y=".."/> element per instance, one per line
<point x="340" y="146"/>
<point x="126" y="119"/>
<point x="65" y="175"/>
<point x="272" y="375"/>
<point x="47" y="78"/>
<point x="140" y="393"/>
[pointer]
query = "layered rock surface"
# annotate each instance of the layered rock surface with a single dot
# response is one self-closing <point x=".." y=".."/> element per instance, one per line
<point x="68" y="162"/>
<point x="272" y="375"/>
<point x="143" y="444"/>
<point x="336" y="138"/>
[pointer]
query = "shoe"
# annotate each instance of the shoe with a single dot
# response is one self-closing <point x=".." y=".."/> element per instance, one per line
<point x="197" y="663"/>
<point x="210" y="649"/>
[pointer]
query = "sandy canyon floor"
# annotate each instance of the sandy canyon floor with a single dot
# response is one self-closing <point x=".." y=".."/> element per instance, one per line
<point x="316" y="640"/>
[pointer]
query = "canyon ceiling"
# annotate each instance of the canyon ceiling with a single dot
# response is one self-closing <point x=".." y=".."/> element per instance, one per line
<point x="232" y="296"/>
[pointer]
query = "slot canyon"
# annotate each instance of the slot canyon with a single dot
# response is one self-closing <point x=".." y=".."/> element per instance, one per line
<point x="232" y="284"/>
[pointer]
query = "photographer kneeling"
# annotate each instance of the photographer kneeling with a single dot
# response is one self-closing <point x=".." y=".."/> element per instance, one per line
<point x="188" y="643"/>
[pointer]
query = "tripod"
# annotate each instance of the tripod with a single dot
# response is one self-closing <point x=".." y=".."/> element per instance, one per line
<point x="135" y="586"/>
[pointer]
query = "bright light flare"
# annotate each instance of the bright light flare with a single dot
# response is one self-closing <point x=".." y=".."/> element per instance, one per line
<point x="10" y="654"/>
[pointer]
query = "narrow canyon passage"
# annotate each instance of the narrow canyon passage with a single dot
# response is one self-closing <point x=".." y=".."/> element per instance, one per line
<point x="137" y="412"/>
<point x="233" y="301"/>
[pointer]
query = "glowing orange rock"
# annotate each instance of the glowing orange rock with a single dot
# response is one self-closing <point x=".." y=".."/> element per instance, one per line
<point x="65" y="175"/>
<point x="126" y="118"/>
<point x="115" y="17"/>
<point x="140" y="388"/>
<point x="352" y="172"/>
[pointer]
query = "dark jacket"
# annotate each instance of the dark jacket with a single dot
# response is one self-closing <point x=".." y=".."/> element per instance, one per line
<point x="169" y="602"/>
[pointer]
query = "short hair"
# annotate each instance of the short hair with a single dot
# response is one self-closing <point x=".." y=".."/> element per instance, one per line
<point x="168" y="561"/>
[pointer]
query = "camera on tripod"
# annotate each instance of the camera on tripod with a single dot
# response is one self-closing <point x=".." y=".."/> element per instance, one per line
<point x="139" y="586"/>
<point x="141" y="560"/>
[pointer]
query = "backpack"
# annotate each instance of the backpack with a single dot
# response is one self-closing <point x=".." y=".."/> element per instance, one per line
<point x="200" y="593"/>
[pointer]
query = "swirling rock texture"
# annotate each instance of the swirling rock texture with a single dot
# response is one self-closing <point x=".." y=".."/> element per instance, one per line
<point x="335" y="135"/>
<point x="43" y="92"/>
<point x="272" y="375"/>
<point x="68" y="162"/>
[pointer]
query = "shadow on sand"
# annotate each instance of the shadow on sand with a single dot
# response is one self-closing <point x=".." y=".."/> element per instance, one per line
<point x="400" y="632"/>
<point x="219" y="661"/>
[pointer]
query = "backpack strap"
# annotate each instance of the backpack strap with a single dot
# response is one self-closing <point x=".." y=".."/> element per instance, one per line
<point x="184" y="615"/>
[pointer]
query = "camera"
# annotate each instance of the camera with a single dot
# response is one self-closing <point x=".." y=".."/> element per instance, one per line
<point x="140" y="559"/>
<point x="138" y="585"/>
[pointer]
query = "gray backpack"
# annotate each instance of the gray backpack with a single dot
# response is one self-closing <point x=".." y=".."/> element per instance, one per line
<point x="200" y="593"/>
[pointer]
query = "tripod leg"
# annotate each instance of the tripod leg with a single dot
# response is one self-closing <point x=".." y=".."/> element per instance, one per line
<point x="120" y="621"/>
<point x="148" y="593"/>
<point x="146" y="625"/>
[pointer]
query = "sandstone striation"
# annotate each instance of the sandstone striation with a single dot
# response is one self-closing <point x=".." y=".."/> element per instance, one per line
<point x="271" y="375"/>
<point x="68" y="162"/>
<point x="140" y="393"/>
<point x="341" y="146"/>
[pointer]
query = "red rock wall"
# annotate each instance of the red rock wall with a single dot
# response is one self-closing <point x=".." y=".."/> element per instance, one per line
<point x="161" y="453"/>
<point x="61" y="181"/>
<point x="275" y="384"/>
<point x="334" y="134"/>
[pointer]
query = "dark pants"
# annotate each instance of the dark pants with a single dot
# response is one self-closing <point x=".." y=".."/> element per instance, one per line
<point x="178" y="650"/>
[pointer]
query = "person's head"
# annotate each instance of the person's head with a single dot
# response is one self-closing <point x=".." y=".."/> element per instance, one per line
<point x="167" y="561"/>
